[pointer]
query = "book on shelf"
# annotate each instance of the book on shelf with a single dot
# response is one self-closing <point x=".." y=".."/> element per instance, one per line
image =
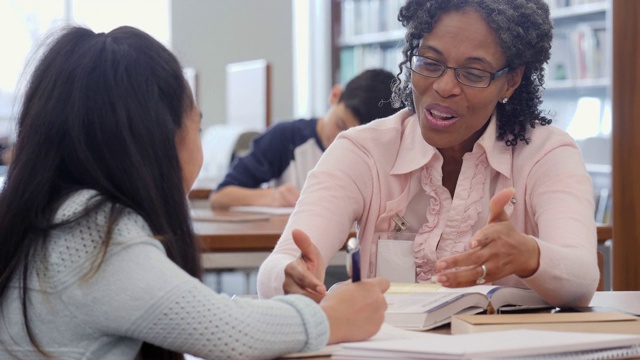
<point x="577" y="53"/>
<point x="426" y="306"/>
<point x="602" y="205"/>
<point x="593" y="322"/>
<point x="510" y="344"/>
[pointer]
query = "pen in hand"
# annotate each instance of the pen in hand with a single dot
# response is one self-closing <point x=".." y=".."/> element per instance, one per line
<point x="353" y="249"/>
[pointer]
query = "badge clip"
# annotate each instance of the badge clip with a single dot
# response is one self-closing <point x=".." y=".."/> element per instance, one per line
<point x="401" y="223"/>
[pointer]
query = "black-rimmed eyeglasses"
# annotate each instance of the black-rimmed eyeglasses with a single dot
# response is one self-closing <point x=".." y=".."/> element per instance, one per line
<point x="466" y="75"/>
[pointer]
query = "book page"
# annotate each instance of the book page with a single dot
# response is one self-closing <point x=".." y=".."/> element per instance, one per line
<point x="504" y="295"/>
<point x="418" y="302"/>
<point x="505" y="344"/>
<point x="407" y="288"/>
<point x="426" y="310"/>
<point x="498" y="295"/>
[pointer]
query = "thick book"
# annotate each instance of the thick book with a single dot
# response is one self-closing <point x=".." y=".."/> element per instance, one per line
<point x="426" y="306"/>
<point x="510" y="344"/>
<point x="597" y="322"/>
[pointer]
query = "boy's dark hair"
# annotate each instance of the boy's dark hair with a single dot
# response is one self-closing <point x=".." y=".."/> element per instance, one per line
<point x="368" y="95"/>
<point x="101" y="112"/>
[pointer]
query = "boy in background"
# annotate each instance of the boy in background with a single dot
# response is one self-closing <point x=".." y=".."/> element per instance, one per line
<point x="287" y="151"/>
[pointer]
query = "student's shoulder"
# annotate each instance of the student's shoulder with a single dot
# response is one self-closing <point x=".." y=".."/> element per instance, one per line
<point x="129" y="225"/>
<point x="295" y="125"/>
<point x="80" y="237"/>
<point x="296" y="131"/>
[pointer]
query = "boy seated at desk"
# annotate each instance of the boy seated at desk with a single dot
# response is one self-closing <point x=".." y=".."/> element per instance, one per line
<point x="286" y="152"/>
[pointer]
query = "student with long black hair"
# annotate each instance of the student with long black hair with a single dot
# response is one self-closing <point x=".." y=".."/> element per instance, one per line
<point x="98" y="256"/>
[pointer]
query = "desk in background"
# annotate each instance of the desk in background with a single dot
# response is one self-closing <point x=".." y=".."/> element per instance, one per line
<point x="243" y="244"/>
<point x="202" y="188"/>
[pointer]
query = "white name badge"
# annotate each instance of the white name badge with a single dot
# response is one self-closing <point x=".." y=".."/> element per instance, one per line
<point x="395" y="260"/>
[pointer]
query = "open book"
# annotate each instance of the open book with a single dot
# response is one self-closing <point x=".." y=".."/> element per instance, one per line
<point x="425" y="306"/>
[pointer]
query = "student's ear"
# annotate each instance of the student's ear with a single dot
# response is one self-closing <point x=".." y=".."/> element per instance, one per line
<point x="334" y="95"/>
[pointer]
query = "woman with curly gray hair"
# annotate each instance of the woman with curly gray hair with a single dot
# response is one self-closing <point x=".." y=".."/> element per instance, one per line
<point x="466" y="186"/>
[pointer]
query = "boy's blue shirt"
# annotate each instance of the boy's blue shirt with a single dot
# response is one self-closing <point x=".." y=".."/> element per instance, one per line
<point x="286" y="147"/>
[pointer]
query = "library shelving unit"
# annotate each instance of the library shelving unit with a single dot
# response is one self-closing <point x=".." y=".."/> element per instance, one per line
<point x="580" y="55"/>
<point x="368" y="36"/>
<point x="578" y="78"/>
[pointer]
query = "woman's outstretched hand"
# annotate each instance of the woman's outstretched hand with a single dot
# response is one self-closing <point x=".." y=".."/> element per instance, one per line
<point x="305" y="275"/>
<point x="495" y="251"/>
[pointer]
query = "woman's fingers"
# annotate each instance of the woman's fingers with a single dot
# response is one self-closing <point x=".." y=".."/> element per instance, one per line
<point x="497" y="204"/>
<point x="305" y="275"/>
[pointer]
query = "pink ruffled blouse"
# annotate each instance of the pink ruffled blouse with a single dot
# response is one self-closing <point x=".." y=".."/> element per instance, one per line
<point x="373" y="172"/>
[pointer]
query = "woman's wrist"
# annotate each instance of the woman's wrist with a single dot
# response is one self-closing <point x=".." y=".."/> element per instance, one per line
<point x="532" y="258"/>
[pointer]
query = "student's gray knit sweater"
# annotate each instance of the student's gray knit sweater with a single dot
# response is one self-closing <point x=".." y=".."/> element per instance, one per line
<point x="138" y="294"/>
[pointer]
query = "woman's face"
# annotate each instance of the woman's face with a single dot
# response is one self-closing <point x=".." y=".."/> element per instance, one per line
<point x="189" y="147"/>
<point x="452" y="115"/>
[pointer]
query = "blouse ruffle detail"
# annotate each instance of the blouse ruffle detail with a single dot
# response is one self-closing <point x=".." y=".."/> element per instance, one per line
<point x="434" y="241"/>
<point x="455" y="242"/>
<point x="427" y="238"/>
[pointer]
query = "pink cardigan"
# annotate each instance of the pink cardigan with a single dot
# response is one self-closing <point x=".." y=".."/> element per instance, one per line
<point x="372" y="172"/>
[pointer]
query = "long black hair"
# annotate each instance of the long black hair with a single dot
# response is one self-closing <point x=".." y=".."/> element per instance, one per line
<point x="100" y="112"/>
<point x="524" y="31"/>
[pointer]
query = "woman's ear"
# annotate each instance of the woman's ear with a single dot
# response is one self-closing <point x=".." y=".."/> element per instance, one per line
<point x="513" y="81"/>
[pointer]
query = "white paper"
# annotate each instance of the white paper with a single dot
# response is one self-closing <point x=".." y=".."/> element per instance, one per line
<point x="273" y="210"/>
<point x="491" y="344"/>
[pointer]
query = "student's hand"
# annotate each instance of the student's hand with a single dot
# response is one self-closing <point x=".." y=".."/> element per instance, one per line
<point x="499" y="246"/>
<point x="305" y="275"/>
<point x="284" y="195"/>
<point x="355" y="310"/>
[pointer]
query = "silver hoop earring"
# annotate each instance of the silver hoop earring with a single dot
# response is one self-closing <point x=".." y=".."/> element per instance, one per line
<point x="504" y="100"/>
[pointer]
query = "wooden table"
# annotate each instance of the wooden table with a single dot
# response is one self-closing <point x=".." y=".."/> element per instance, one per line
<point x="259" y="235"/>
<point x="243" y="244"/>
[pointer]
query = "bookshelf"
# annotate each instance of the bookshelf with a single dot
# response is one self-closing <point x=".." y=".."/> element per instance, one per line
<point x="578" y="86"/>
<point x="367" y="34"/>
<point x="578" y="79"/>
<point x="581" y="45"/>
